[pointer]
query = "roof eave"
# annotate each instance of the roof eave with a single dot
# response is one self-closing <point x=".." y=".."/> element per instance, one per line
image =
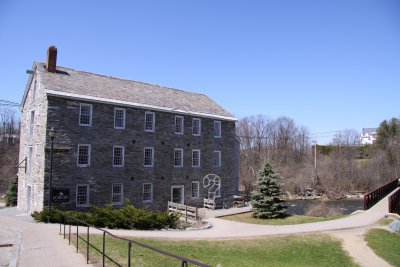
<point x="28" y="85"/>
<point x="136" y="105"/>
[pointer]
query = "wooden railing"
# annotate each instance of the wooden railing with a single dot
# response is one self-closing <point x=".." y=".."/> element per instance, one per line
<point x="375" y="196"/>
<point x="394" y="202"/>
<point x="189" y="213"/>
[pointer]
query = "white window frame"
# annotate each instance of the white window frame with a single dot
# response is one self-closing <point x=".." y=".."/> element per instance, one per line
<point x="199" y="133"/>
<point x="33" y="94"/>
<point x="89" y="152"/>
<point x="123" y="119"/>
<point x="87" y="195"/>
<point x="32" y="123"/>
<point x="219" y="129"/>
<point x="195" y="194"/>
<point x="217" y="152"/>
<point x="199" y="152"/>
<point x="122" y="155"/>
<point x="181" y="157"/>
<point x="152" y="156"/>
<point x="180" y="125"/>
<point x="150" y="193"/>
<point x="120" y="195"/>
<point x="153" y="126"/>
<point x="90" y="115"/>
<point x="30" y="159"/>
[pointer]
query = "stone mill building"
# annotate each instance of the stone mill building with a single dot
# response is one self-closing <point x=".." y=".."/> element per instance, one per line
<point x="119" y="139"/>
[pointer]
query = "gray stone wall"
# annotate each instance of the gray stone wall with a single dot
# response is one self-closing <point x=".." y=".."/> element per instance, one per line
<point x="63" y="115"/>
<point x="31" y="184"/>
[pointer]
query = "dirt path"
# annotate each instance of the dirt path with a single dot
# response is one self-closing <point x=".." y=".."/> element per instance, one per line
<point x="353" y="242"/>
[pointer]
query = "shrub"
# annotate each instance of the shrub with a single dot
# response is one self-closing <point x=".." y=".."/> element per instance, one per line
<point x="320" y="209"/>
<point x="12" y="192"/>
<point x="128" y="217"/>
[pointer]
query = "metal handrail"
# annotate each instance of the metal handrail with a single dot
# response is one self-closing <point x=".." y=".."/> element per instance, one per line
<point x="376" y="195"/>
<point x="184" y="261"/>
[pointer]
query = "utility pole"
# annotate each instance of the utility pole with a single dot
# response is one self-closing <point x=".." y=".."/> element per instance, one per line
<point x="315" y="162"/>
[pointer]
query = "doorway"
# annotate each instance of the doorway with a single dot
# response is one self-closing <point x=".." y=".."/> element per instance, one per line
<point x="28" y="198"/>
<point x="177" y="194"/>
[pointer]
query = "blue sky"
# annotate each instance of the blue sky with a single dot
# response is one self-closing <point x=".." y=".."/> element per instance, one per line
<point x="328" y="65"/>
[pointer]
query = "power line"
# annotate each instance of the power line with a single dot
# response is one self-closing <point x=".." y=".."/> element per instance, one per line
<point x="8" y="103"/>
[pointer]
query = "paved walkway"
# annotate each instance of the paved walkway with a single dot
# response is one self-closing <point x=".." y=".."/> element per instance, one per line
<point x="34" y="244"/>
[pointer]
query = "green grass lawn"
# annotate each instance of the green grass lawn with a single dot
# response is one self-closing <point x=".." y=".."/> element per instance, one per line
<point x="385" y="244"/>
<point x="293" y="250"/>
<point x="294" y="219"/>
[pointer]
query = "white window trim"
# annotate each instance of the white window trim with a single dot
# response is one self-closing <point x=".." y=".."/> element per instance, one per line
<point x="123" y="156"/>
<point x="80" y="113"/>
<point x="30" y="159"/>
<point x="115" y="113"/>
<point x="182" y="124"/>
<point x="181" y="150"/>
<point x="87" y="196"/>
<point x="199" y="120"/>
<point x="196" y="166"/>
<point x="154" y="121"/>
<point x="152" y="157"/>
<point x="122" y="194"/>
<point x="219" y="158"/>
<point x="198" y="190"/>
<point x="89" y="155"/>
<point x="32" y="123"/>
<point x="151" y="193"/>
<point x="220" y="129"/>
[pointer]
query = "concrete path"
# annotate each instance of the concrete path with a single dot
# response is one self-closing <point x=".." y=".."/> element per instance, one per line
<point x="34" y="244"/>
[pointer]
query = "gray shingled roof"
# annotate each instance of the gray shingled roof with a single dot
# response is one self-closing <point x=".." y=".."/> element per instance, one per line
<point x="85" y="85"/>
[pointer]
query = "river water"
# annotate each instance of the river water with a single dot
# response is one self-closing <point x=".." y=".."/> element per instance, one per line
<point x="346" y="206"/>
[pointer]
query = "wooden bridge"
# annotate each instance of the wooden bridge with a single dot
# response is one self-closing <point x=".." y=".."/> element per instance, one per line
<point x="385" y="198"/>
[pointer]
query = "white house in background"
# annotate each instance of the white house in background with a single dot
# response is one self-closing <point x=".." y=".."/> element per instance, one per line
<point x="368" y="136"/>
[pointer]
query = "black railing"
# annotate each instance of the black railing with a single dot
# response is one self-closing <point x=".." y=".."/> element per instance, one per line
<point x="394" y="202"/>
<point x="375" y="196"/>
<point x="73" y="222"/>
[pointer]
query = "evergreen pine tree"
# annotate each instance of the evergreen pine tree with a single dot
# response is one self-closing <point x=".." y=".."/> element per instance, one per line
<point x="266" y="198"/>
<point x="12" y="192"/>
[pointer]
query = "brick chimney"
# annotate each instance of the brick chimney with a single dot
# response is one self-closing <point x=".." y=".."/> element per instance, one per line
<point x="51" y="61"/>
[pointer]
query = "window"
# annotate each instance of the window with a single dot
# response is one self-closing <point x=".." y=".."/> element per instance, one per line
<point x="82" y="195"/>
<point x="119" y="118"/>
<point x="30" y="163"/>
<point x="147" y="193"/>
<point x="148" y="157"/>
<point x="178" y="157"/>
<point x="83" y="155"/>
<point x="196" y="158"/>
<point x="196" y="127"/>
<point x="149" y="121"/>
<point x="118" y="156"/>
<point x="217" y="158"/>
<point x="117" y="194"/>
<point x="33" y="95"/>
<point x="217" y="129"/>
<point x="195" y="189"/>
<point x="85" y="115"/>
<point x="32" y="123"/>
<point x="39" y="110"/>
<point x="178" y="124"/>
